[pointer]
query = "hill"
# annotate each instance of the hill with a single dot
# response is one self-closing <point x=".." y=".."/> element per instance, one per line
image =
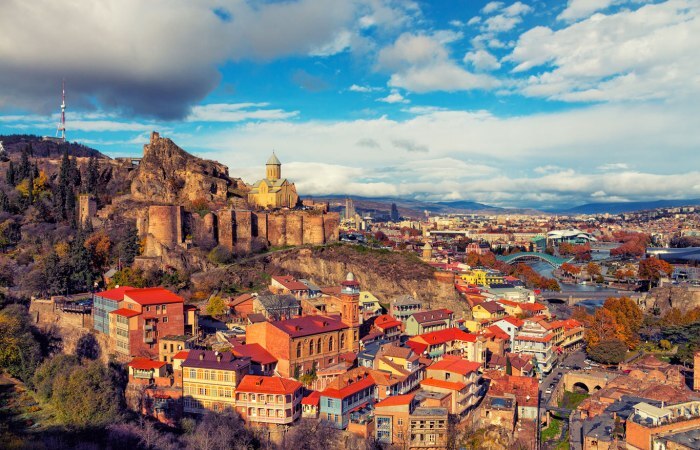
<point x="15" y="143"/>
<point x="623" y="207"/>
<point x="411" y="207"/>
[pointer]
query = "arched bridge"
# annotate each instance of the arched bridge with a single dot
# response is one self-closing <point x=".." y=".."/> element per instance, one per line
<point x="573" y="297"/>
<point x="554" y="261"/>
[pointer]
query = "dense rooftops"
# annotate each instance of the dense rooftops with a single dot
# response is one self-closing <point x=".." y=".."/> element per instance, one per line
<point x="308" y="325"/>
<point x="207" y="359"/>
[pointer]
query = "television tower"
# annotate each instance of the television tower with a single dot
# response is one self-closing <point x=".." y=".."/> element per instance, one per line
<point x="62" y="124"/>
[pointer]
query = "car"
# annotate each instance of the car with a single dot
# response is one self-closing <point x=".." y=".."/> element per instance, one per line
<point x="548" y="391"/>
<point x="237" y="330"/>
<point x="577" y="367"/>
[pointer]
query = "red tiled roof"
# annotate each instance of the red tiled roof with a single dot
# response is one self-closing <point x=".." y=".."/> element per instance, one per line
<point x="492" y="307"/>
<point x="182" y="354"/>
<point x="514" y="321"/>
<point x="396" y="400"/>
<point x="256" y="353"/>
<point x="308" y="325"/>
<point x="349" y="389"/>
<point x="386" y="321"/>
<point x="432" y="382"/>
<point x="312" y="399"/>
<point x="125" y="312"/>
<point x="548" y="337"/>
<point x="268" y="385"/>
<point x="532" y="307"/>
<point x="497" y="332"/>
<point x="442" y="336"/>
<point x="455" y="365"/>
<point x="290" y="283"/>
<point x="116" y="294"/>
<point x="145" y="363"/>
<point x="153" y="296"/>
<point x="331" y="290"/>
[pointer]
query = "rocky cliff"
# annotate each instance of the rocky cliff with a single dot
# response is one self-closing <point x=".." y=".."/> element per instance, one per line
<point x="386" y="274"/>
<point x="666" y="297"/>
<point x="168" y="174"/>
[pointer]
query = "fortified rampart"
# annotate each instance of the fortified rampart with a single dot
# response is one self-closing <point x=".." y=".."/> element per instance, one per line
<point x="237" y="229"/>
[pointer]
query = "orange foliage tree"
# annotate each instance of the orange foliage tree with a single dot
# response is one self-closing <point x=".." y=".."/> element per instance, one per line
<point x="653" y="269"/>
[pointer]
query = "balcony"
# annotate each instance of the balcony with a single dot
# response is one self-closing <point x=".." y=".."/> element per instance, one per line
<point x="149" y="327"/>
<point x="149" y="340"/>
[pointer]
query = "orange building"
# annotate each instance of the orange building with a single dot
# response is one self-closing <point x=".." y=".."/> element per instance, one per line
<point x="269" y="400"/>
<point x="400" y="421"/>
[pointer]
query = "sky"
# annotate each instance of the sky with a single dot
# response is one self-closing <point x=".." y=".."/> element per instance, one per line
<point x="533" y="103"/>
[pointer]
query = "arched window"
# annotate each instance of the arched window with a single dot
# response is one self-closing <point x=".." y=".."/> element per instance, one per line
<point x="330" y="344"/>
<point x="342" y="340"/>
<point x="311" y="347"/>
<point x="298" y="349"/>
<point x="318" y="346"/>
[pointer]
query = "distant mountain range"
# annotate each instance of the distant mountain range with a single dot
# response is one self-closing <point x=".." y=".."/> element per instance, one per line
<point x="624" y="207"/>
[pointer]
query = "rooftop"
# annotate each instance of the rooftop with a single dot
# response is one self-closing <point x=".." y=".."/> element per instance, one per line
<point x="309" y="325"/>
<point x="268" y="385"/>
<point x="116" y="294"/>
<point x="153" y="296"/>
<point x="208" y="359"/>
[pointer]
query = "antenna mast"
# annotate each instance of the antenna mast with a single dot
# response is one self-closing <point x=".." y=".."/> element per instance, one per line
<point x="62" y="124"/>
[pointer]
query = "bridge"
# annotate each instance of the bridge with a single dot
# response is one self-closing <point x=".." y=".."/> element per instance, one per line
<point x="573" y="297"/>
<point x="554" y="261"/>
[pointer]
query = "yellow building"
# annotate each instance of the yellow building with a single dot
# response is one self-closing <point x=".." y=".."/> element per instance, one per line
<point x="476" y="276"/>
<point x="491" y="311"/>
<point x="209" y="380"/>
<point x="273" y="191"/>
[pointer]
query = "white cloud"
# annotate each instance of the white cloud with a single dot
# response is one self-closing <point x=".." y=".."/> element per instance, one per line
<point x="416" y="153"/>
<point x="474" y="20"/>
<point x="517" y="9"/>
<point x="482" y="60"/>
<point x="500" y="23"/>
<point x="492" y="7"/>
<point x="364" y="89"/>
<point x="579" y="9"/>
<point x="614" y="166"/>
<point x="421" y="63"/>
<point x="237" y="112"/>
<point x="394" y="97"/>
<point x="642" y="54"/>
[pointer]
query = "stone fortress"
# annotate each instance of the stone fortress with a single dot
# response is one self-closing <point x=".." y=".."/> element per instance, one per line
<point x="236" y="218"/>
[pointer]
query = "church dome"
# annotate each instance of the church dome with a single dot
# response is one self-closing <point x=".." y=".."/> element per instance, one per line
<point x="273" y="161"/>
<point x="350" y="277"/>
<point x="427" y="246"/>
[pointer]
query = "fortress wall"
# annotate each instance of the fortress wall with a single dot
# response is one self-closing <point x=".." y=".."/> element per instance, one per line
<point x="314" y="232"/>
<point x="244" y="230"/>
<point x="202" y="229"/>
<point x="331" y="222"/>
<point x="227" y="232"/>
<point x="295" y="229"/>
<point x="165" y="223"/>
<point x="260" y="225"/>
<point x="277" y="230"/>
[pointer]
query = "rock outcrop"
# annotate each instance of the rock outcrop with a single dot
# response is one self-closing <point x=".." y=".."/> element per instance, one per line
<point x="666" y="297"/>
<point x="168" y="174"/>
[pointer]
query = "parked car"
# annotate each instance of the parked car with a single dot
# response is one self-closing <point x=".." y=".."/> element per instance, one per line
<point x="548" y="391"/>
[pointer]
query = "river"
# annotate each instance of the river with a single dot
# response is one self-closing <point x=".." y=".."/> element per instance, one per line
<point x="545" y="269"/>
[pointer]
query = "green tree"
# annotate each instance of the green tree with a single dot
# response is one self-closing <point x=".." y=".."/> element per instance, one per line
<point x="92" y="176"/>
<point x="509" y="366"/>
<point x="24" y="168"/>
<point x="216" y="306"/>
<point x="129" y="247"/>
<point x="11" y="175"/>
<point x="612" y="351"/>
<point x="57" y="367"/>
<point x="20" y="352"/>
<point x="87" y="397"/>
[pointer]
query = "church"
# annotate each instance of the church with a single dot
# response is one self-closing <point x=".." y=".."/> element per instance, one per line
<point x="273" y="191"/>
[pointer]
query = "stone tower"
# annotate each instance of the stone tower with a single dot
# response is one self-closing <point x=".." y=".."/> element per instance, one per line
<point x="87" y="208"/>
<point x="350" y="308"/>
<point x="427" y="252"/>
<point x="273" y="168"/>
<point x="696" y="371"/>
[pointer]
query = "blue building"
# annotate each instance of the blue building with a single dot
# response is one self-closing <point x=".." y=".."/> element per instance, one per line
<point x="347" y="393"/>
<point x="104" y="303"/>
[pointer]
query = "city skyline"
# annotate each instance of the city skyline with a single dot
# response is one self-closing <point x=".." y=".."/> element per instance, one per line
<point x="530" y="104"/>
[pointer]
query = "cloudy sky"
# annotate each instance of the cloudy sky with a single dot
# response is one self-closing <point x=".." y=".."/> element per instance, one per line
<point x="538" y="103"/>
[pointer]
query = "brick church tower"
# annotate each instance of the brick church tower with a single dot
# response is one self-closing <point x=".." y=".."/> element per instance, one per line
<point x="350" y="308"/>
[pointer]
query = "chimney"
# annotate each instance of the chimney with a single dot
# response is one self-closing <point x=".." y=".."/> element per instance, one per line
<point x="201" y="356"/>
<point x="218" y="357"/>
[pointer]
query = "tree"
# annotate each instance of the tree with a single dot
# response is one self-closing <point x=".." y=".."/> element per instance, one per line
<point x="88" y="347"/>
<point x="593" y="270"/>
<point x="611" y="351"/>
<point x="24" y="168"/>
<point x="20" y="353"/>
<point x="92" y="176"/>
<point x="128" y="247"/>
<point x="665" y="344"/>
<point x="216" y="306"/>
<point x="312" y="434"/>
<point x="509" y="366"/>
<point x="98" y="246"/>
<point x="629" y="318"/>
<point x="11" y="175"/>
<point x="221" y="430"/>
<point x="220" y="255"/>
<point x="59" y="366"/>
<point x="88" y="396"/>
<point x="653" y="269"/>
<point x="602" y="326"/>
<point x="570" y="269"/>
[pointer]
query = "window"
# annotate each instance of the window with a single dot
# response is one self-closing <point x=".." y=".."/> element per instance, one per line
<point x="299" y="350"/>
<point x="342" y="340"/>
<point x="163" y="309"/>
<point x="165" y="347"/>
<point x="280" y="399"/>
<point x="157" y="309"/>
<point x="400" y="421"/>
<point x="318" y="346"/>
<point x="330" y="344"/>
<point x="165" y="319"/>
<point x="311" y="347"/>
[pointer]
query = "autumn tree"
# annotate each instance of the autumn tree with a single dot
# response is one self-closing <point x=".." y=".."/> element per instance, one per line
<point x="593" y="270"/>
<point x="98" y="246"/>
<point x="223" y="430"/>
<point x="653" y="269"/>
<point x="312" y="434"/>
<point x="570" y="269"/>
<point x="628" y="316"/>
<point x="216" y="306"/>
<point x="602" y="327"/>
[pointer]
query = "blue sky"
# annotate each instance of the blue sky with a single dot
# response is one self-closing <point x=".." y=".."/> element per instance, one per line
<point x="529" y="103"/>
